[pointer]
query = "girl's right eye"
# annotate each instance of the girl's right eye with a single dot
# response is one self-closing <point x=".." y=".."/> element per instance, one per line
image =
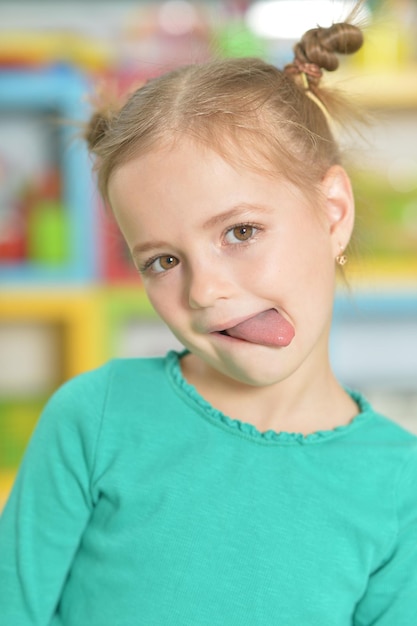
<point x="161" y="264"/>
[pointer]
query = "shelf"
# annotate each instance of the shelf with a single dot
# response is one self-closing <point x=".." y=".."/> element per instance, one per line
<point x="59" y="96"/>
<point x="378" y="89"/>
<point x="76" y="311"/>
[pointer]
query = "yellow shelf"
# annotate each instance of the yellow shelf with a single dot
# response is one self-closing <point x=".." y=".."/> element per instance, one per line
<point x="386" y="274"/>
<point x="378" y="88"/>
<point x="78" y="311"/>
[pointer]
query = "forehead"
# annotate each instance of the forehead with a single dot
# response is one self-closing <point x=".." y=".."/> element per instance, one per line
<point x="185" y="164"/>
<point x="232" y="150"/>
<point x="186" y="183"/>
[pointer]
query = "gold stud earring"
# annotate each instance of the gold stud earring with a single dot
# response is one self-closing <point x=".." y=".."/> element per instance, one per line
<point x="341" y="258"/>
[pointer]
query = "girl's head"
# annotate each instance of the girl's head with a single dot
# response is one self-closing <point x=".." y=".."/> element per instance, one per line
<point x="244" y="109"/>
<point x="214" y="173"/>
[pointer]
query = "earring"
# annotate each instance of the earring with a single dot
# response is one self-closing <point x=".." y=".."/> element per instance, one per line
<point x="341" y="258"/>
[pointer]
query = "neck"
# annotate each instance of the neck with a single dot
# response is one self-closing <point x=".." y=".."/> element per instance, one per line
<point x="304" y="404"/>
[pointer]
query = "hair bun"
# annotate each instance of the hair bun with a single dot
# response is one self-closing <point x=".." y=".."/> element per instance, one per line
<point x="322" y="45"/>
<point x="96" y="129"/>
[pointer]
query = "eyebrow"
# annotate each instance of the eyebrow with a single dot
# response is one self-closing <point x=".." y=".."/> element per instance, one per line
<point x="148" y="246"/>
<point x="240" y="210"/>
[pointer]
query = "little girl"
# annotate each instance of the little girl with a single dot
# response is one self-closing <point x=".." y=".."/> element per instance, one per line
<point x="236" y="483"/>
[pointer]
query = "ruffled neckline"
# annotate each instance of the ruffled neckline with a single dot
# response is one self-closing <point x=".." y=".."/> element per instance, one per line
<point x="249" y="431"/>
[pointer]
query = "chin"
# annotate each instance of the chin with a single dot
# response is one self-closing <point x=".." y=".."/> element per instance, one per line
<point x="257" y="374"/>
<point x="259" y="380"/>
<point x="250" y="365"/>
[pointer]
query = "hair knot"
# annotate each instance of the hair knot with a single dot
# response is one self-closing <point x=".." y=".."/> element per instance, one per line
<point x="311" y="70"/>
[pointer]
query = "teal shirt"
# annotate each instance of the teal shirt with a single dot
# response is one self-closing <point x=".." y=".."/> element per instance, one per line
<point x="139" y="504"/>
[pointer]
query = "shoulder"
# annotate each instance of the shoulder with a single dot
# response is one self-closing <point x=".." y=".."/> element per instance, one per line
<point x="380" y="429"/>
<point x="381" y="447"/>
<point x="387" y="429"/>
<point x="84" y="402"/>
<point x="398" y="458"/>
<point x="115" y="376"/>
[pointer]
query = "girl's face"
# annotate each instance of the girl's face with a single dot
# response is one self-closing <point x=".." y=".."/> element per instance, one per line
<point x="217" y="246"/>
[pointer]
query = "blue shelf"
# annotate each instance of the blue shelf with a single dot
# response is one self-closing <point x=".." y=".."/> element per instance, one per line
<point x="63" y="91"/>
<point x="396" y="305"/>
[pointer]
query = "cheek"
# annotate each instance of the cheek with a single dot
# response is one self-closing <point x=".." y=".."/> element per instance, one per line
<point x="155" y="297"/>
<point x="314" y="251"/>
<point x="307" y="269"/>
<point x="165" y="302"/>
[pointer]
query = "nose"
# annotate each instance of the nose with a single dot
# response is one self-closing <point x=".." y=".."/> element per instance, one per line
<point x="207" y="283"/>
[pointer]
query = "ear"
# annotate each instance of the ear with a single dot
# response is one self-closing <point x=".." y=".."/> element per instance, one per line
<point x="339" y="207"/>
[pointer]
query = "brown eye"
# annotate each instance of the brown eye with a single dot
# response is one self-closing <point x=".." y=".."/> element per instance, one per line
<point x="163" y="263"/>
<point x="241" y="233"/>
<point x="166" y="262"/>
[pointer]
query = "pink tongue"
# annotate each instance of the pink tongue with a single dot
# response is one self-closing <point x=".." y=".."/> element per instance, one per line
<point x="268" y="328"/>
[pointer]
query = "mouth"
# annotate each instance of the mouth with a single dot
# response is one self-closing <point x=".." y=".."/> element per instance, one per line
<point x="268" y="328"/>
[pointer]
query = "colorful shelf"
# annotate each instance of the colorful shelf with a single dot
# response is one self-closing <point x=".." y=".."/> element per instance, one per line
<point x="60" y="95"/>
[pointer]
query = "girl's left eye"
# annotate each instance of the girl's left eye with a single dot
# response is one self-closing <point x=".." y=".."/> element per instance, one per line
<point x="158" y="265"/>
<point x="240" y="233"/>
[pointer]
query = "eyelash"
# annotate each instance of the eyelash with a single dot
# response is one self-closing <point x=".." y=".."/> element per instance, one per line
<point x="256" y="230"/>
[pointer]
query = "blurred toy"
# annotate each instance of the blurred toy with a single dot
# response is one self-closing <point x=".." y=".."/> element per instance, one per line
<point x="47" y="221"/>
<point x="12" y="227"/>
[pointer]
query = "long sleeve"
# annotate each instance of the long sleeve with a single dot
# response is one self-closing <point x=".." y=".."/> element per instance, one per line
<point x="391" y="596"/>
<point x="50" y="504"/>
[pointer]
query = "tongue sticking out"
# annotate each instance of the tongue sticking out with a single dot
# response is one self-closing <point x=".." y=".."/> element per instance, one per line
<point x="268" y="328"/>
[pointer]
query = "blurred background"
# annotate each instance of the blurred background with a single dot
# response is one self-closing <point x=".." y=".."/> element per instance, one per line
<point x="69" y="297"/>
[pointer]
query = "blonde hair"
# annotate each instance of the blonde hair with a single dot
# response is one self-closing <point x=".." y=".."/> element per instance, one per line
<point x="241" y="103"/>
